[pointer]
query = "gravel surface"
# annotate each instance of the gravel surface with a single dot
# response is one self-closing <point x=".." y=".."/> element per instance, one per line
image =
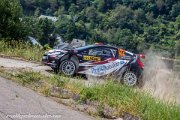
<point x="18" y="64"/>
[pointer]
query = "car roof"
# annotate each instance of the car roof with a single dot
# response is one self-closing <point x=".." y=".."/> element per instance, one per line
<point x="106" y="46"/>
<point x="93" y="46"/>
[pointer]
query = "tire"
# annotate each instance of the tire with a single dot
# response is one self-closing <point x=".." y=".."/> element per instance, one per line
<point x="130" y="78"/>
<point x="67" y="67"/>
<point x="55" y="70"/>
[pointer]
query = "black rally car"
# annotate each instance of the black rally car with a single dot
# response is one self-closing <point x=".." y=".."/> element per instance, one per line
<point x="100" y="60"/>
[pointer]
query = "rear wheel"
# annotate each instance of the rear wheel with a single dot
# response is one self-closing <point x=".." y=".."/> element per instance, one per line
<point x="130" y="78"/>
<point x="67" y="67"/>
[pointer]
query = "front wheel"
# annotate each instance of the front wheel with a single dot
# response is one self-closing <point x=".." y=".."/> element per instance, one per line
<point x="130" y="78"/>
<point x="67" y="67"/>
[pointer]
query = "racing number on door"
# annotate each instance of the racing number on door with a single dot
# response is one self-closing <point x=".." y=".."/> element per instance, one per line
<point x="85" y="57"/>
<point x="121" y="52"/>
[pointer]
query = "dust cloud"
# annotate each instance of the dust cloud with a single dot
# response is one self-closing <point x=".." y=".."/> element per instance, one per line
<point x="160" y="79"/>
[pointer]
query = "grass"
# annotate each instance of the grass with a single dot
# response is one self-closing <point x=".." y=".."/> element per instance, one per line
<point x="30" y="79"/>
<point x="21" y="49"/>
<point x="124" y="99"/>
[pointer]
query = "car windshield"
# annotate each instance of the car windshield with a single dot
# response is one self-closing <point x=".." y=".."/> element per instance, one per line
<point x="84" y="47"/>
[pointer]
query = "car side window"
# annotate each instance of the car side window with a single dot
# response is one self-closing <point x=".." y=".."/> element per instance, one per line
<point x="114" y="52"/>
<point x="103" y="52"/>
<point x="84" y="52"/>
<point x="94" y="52"/>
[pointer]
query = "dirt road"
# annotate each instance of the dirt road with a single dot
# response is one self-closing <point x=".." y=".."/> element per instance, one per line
<point x="18" y="102"/>
<point x="16" y="64"/>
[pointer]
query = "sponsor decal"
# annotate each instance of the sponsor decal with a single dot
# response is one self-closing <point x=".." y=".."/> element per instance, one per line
<point x="122" y="62"/>
<point x="104" y="69"/>
<point x="93" y="58"/>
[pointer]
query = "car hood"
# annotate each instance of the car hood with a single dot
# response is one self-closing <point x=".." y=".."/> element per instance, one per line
<point x="55" y="51"/>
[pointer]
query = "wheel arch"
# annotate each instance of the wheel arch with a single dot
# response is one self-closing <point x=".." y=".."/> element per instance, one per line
<point x="68" y="56"/>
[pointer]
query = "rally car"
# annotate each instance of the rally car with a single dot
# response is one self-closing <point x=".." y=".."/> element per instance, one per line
<point x="100" y="60"/>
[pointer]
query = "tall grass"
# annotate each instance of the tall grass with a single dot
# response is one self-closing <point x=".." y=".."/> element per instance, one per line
<point x="125" y="99"/>
<point x="21" y="49"/>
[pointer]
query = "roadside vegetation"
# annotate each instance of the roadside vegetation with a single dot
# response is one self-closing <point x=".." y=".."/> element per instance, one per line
<point x="21" y="49"/>
<point x="121" y="99"/>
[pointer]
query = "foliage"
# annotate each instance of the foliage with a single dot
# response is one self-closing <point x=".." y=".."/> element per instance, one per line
<point x="28" y="77"/>
<point x="10" y="22"/>
<point x="126" y="23"/>
<point x="21" y="49"/>
<point x="129" y="100"/>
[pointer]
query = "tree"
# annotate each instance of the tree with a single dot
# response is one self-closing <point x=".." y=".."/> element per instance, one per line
<point x="82" y="3"/>
<point x="65" y="28"/>
<point x="120" y="16"/>
<point x="47" y="28"/>
<point x="125" y="39"/>
<point x="53" y="4"/>
<point x="10" y="22"/>
<point x="91" y="14"/>
<point x="73" y="9"/>
<point x="175" y="10"/>
<point x="37" y="12"/>
<point x="100" y="5"/>
<point x="70" y="29"/>
<point x="48" y="11"/>
<point x="121" y="22"/>
<point x="160" y="4"/>
<point x="32" y="27"/>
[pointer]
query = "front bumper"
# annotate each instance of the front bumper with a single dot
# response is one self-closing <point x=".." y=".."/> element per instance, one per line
<point x="46" y="63"/>
<point x="47" y="60"/>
